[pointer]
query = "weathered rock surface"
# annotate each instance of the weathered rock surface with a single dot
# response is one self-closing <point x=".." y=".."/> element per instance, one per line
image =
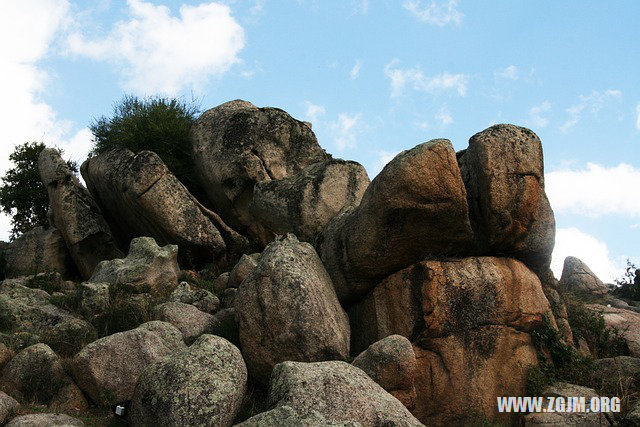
<point x="229" y="297"/>
<point x="416" y="207"/>
<point x="303" y="204"/>
<point x="27" y="310"/>
<point x="7" y="405"/>
<point x="202" y="299"/>
<point x="626" y="321"/>
<point x="578" y="277"/>
<point x="5" y="355"/>
<point x="141" y="197"/>
<point x="503" y="171"/>
<point x="468" y="321"/>
<point x="288" y="310"/>
<point x="76" y="215"/>
<point x="203" y="385"/>
<point x="108" y="369"/>
<point x="225" y="324"/>
<point x="286" y="416"/>
<point x="36" y="375"/>
<point x="338" y="392"/>
<point x="241" y="270"/>
<point x="38" y="251"/>
<point x="190" y="321"/>
<point x="391" y="362"/>
<point x="235" y="145"/>
<point x="568" y="418"/>
<point x="147" y="268"/>
<point x="623" y="371"/>
<point x="93" y="298"/>
<point x="45" y="420"/>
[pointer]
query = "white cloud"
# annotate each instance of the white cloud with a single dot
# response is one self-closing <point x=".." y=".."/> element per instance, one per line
<point x="355" y="71"/>
<point x="361" y="6"/>
<point x="592" y="103"/>
<point x="345" y="130"/>
<point x="157" y="52"/>
<point x="314" y="112"/>
<point x="415" y="78"/>
<point x="593" y="252"/>
<point x="509" y="73"/>
<point x="595" y="191"/>
<point x="444" y="117"/>
<point x="638" y="116"/>
<point x="535" y="115"/>
<point x="436" y="13"/>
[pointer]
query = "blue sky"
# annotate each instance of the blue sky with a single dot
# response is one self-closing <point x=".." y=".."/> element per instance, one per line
<point x="374" y="77"/>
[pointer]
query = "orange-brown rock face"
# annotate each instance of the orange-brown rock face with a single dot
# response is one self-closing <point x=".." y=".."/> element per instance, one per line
<point x="468" y="320"/>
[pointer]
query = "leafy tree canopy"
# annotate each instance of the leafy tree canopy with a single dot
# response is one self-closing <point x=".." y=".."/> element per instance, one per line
<point x="157" y="124"/>
<point x="22" y="194"/>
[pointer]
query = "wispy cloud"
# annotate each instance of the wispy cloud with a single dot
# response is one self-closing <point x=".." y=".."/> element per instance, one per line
<point x="158" y="52"/>
<point x="508" y="73"/>
<point x="592" y="103"/>
<point x="435" y="12"/>
<point x="314" y="112"/>
<point x="536" y="112"/>
<point x="595" y="191"/>
<point x="443" y="116"/>
<point x="355" y="70"/>
<point x="345" y="130"/>
<point x="415" y="79"/>
<point x="361" y="6"/>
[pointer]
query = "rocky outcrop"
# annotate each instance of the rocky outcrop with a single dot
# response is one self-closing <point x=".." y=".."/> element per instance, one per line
<point x="203" y="385"/>
<point x="45" y="420"/>
<point x="190" y="321"/>
<point x="621" y="371"/>
<point x="391" y="362"/>
<point x="338" y="392"/>
<point x="7" y="405"/>
<point x="578" y="277"/>
<point x="76" y="215"/>
<point x="93" y="298"/>
<point x="288" y="310"/>
<point x="236" y="145"/>
<point x="36" y="375"/>
<point x="147" y="268"/>
<point x="141" y="197"/>
<point x="625" y="321"/>
<point x="38" y="251"/>
<point x="468" y="320"/>
<point x="201" y="299"/>
<point x="503" y="171"/>
<point x="108" y="369"/>
<point x="415" y="208"/>
<point x="303" y="204"/>
<point x="26" y="310"/>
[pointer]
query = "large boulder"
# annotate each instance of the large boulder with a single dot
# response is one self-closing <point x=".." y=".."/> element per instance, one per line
<point x="108" y="369"/>
<point x="567" y="418"/>
<point x="236" y="145"/>
<point x="76" y="214"/>
<point x="621" y="372"/>
<point x="286" y="416"/>
<point x="503" y="170"/>
<point x="338" y="392"/>
<point x="38" y="251"/>
<point x="391" y="362"/>
<point x="36" y="375"/>
<point x="45" y="420"/>
<point x="27" y="310"/>
<point x="190" y="321"/>
<point x="141" y="197"/>
<point x="7" y="405"/>
<point x="288" y="310"/>
<point x="203" y="385"/>
<point x="200" y="298"/>
<point x="468" y="320"/>
<point x="415" y="208"/>
<point x="147" y="268"/>
<point x="578" y="277"/>
<point x="303" y="204"/>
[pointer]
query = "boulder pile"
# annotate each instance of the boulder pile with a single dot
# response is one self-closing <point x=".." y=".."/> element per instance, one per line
<point x="429" y="279"/>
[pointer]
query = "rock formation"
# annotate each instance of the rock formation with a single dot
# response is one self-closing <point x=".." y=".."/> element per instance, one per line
<point x="578" y="277"/>
<point x="38" y="251"/>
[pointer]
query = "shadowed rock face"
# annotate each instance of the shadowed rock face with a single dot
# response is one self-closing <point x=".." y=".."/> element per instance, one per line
<point x="237" y="145"/>
<point x="415" y="208"/>
<point x="468" y="321"/>
<point x="288" y="310"/>
<point x="76" y="215"/>
<point x="38" y="251"/>
<point x="141" y="197"/>
<point x="503" y="171"/>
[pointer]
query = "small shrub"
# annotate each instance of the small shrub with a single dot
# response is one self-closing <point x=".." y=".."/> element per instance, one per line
<point x="49" y="282"/>
<point x="629" y="283"/>
<point x="156" y="124"/>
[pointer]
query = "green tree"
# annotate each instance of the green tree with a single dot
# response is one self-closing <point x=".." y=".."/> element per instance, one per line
<point x="22" y="194"/>
<point x="157" y="124"/>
